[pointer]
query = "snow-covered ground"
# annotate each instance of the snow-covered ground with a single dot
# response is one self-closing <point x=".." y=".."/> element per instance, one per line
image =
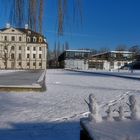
<point x="8" y="71"/>
<point x="55" y="114"/>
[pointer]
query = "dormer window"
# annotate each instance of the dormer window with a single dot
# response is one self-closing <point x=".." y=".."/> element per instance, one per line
<point x="28" y="39"/>
<point x="34" y="39"/>
<point x="40" y="39"/>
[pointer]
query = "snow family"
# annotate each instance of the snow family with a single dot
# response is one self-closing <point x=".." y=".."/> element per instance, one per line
<point x="95" y="114"/>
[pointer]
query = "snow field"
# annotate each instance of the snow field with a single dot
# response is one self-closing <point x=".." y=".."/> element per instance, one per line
<point x="55" y="114"/>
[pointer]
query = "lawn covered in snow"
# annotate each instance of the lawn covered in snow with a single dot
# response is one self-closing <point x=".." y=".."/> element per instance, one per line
<point x="55" y="114"/>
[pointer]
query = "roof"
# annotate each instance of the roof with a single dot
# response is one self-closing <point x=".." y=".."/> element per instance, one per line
<point x="28" y="32"/>
<point x="3" y="29"/>
<point x="24" y="31"/>
<point x="88" y="51"/>
<point x="124" y="52"/>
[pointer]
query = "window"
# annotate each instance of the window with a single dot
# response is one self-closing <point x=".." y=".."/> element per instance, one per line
<point x="20" y="38"/>
<point x="13" y="38"/>
<point x="34" y="39"/>
<point x="19" y="56"/>
<point x="28" y="63"/>
<point x="28" y="48"/>
<point x="119" y="63"/>
<point x="5" y="38"/>
<point x="19" y="47"/>
<point x="39" y="48"/>
<point x="12" y="56"/>
<point x="28" y="39"/>
<point x="40" y="56"/>
<point x="12" y="48"/>
<point x="19" y="63"/>
<point x="40" y="64"/>
<point x="34" y="55"/>
<point x="13" y="30"/>
<point x="40" y="39"/>
<point x="34" y="48"/>
<point x="28" y="55"/>
<point x="34" y="64"/>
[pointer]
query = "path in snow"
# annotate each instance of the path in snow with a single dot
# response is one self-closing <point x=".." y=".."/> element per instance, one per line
<point x="55" y="114"/>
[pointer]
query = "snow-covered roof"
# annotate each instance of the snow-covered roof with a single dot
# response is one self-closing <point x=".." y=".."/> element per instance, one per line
<point x="123" y="52"/>
<point x="78" y="51"/>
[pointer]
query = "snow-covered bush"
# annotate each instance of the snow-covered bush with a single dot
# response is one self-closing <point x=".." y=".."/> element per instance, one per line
<point x="134" y="108"/>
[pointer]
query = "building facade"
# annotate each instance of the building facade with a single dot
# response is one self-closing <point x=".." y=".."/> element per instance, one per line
<point x="22" y="48"/>
<point x="74" y="59"/>
<point x="111" y="60"/>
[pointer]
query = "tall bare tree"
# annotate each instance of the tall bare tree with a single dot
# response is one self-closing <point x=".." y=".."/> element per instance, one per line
<point x="103" y="49"/>
<point x="121" y="48"/>
<point x="32" y="11"/>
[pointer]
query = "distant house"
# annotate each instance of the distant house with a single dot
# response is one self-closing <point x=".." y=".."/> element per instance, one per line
<point x="74" y="59"/>
<point x="110" y="60"/>
<point x="22" y="48"/>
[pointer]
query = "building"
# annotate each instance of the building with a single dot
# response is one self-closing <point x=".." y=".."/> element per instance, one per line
<point x="22" y="48"/>
<point x="74" y="59"/>
<point x="111" y="60"/>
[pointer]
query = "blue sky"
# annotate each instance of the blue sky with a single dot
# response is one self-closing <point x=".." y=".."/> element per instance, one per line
<point x="106" y="23"/>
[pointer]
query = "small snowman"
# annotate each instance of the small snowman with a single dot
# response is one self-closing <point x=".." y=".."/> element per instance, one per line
<point x="121" y="113"/>
<point x="94" y="109"/>
<point x="109" y="116"/>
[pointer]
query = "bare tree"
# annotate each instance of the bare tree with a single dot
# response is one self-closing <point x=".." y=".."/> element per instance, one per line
<point x="32" y="11"/>
<point x="135" y="49"/>
<point x="103" y="49"/>
<point x="66" y="46"/>
<point x="6" y="54"/>
<point x="121" y="48"/>
<point x="58" y="49"/>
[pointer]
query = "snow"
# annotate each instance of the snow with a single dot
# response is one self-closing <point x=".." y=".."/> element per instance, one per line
<point x="55" y="114"/>
<point x="8" y="71"/>
<point x="115" y="130"/>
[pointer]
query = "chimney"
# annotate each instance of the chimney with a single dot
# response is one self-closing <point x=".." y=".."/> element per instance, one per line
<point x="7" y="25"/>
<point x="26" y="26"/>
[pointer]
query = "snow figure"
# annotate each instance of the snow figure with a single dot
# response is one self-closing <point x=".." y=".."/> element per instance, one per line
<point x="134" y="109"/>
<point x="94" y="109"/>
<point x="121" y="113"/>
<point x="109" y="114"/>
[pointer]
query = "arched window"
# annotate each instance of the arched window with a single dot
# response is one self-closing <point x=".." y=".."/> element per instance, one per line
<point x="28" y="39"/>
<point x="34" y="39"/>
<point x="40" y="39"/>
